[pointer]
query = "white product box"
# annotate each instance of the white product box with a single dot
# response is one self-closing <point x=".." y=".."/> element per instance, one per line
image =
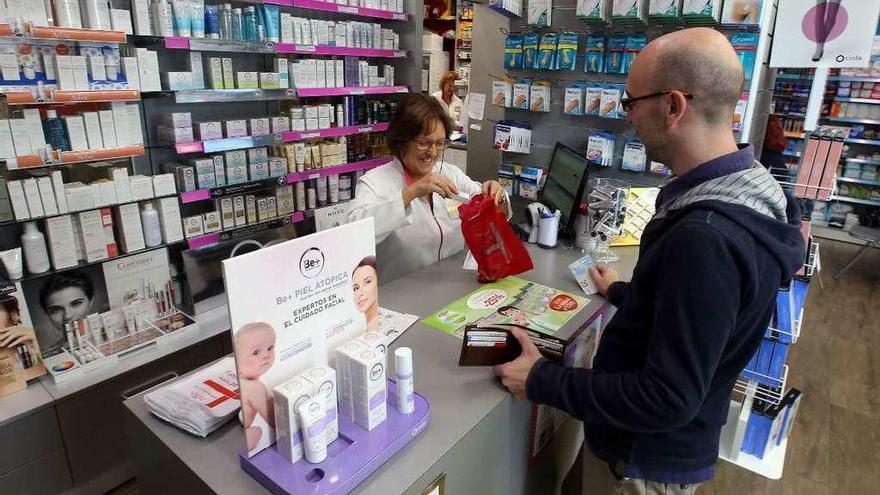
<point x="250" y="207"/>
<point x="47" y="196"/>
<point x="257" y="155"/>
<point x="134" y="123"/>
<point x="97" y="71"/>
<point x="215" y="73"/>
<point x="34" y="124"/>
<point x="340" y="74"/>
<point x="58" y="189"/>
<point x="7" y="149"/>
<point x="78" y="196"/>
<point x="262" y="209"/>
<point x="271" y="207"/>
<point x="228" y="78"/>
<point x="259" y="127"/>
<point x="197" y="70"/>
<point x="131" y="233"/>
<point x="93" y="130"/>
<point x="177" y="120"/>
<point x="32" y="194"/>
<point x="148" y="67"/>
<point x="63" y="71"/>
<point x="108" y="132"/>
<point x="175" y="135"/>
<point x="10" y="69"/>
<point x="122" y="182"/>
<point x="211" y="222"/>
<point x="141" y="187"/>
<point x="18" y="200"/>
<point x="342" y="359"/>
<point x="368" y="388"/>
<point x="209" y="130"/>
<point x="277" y="166"/>
<point x="321" y="73"/>
<point x="120" y="20"/>
<point x="163" y="185"/>
<point x="141" y="13"/>
<point x="236" y="174"/>
<point x="281" y="67"/>
<point x="235" y="158"/>
<point x="186" y="178"/>
<point x="107" y="190"/>
<point x="279" y="124"/>
<point x="131" y="71"/>
<point x="247" y="80"/>
<point x="219" y="170"/>
<point x="204" y="173"/>
<point x="235" y="128"/>
<point x="284" y="200"/>
<point x="61" y="241"/>
<point x="286" y="28"/>
<point x="324" y="381"/>
<point x="269" y="80"/>
<point x="227" y="213"/>
<point x="120" y="123"/>
<point x="21" y="141"/>
<point x="288" y="397"/>
<point x="79" y="65"/>
<point x="238" y="210"/>
<point x="176" y="81"/>
<point x="76" y="131"/>
<point x="91" y="226"/>
<point x="193" y="226"/>
<point x="169" y="219"/>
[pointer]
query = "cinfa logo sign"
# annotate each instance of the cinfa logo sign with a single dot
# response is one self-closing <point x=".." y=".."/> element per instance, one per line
<point x="850" y="58"/>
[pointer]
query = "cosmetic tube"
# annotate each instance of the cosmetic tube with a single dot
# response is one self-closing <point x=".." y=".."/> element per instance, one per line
<point x="197" y="18"/>
<point x="128" y="314"/>
<point x="249" y="19"/>
<point x="163" y="18"/>
<point x="95" y="327"/>
<point x="212" y="21"/>
<point x="271" y="19"/>
<point x="68" y="331"/>
<point x="311" y="418"/>
<point x="12" y="263"/>
<point x="182" y="18"/>
<point x="403" y="369"/>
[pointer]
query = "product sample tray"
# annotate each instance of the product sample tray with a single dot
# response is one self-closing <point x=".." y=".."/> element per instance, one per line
<point x="350" y="459"/>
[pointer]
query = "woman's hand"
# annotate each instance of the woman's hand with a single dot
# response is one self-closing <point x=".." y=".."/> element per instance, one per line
<point x="12" y="338"/>
<point x="495" y="189"/>
<point x="432" y="183"/>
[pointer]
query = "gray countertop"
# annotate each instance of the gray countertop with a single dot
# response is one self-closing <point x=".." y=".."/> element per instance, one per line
<point x="460" y="397"/>
<point x="26" y="401"/>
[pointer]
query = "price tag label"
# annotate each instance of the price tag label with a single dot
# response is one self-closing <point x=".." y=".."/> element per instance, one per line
<point x="305" y="48"/>
<point x="348" y="10"/>
<point x="365" y="129"/>
<point x="399" y="53"/>
<point x="314" y="176"/>
<point x="356" y="92"/>
<point x="398" y="16"/>
<point x="310" y="135"/>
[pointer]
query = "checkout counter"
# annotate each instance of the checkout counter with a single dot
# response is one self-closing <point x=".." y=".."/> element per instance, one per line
<point x="478" y="438"/>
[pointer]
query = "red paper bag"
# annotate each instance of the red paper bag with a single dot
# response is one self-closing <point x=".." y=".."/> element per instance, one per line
<point x="494" y="244"/>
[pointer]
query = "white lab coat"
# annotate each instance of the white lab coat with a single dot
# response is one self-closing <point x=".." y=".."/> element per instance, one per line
<point x="453" y="109"/>
<point x="410" y="238"/>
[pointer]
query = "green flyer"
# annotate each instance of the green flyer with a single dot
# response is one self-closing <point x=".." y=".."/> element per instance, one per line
<point x="511" y="300"/>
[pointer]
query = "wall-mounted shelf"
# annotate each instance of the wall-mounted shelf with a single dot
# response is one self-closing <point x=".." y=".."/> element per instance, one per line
<point x="365" y="90"/>
<point x="70" y="157"/>
<point x="74" y="212"/>
<point x="858" y="100"/>
<point x="230" y="95"/>
<point x="341" y="169"/>
<point x="64" y="34"/>
<point x="869" y="142"/>
<point x="240" y="143"/>
<point x="859" y="160"/>
<point x="795" y="77"/>
<point x="69" y="97"/>
<point x="853" y="120"/>
<point x="794" y="135"/>
<point x="210" y="45"/>
<point x="854" y="79"/>
<point x="342" y="9"/>
<point x="244" y="231"/>
<point x="868" y="182"/>
<point x="338" y="51"/>
<point x="844" y="199"/>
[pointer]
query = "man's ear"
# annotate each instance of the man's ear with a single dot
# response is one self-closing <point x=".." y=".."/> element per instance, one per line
<point x="677" y="106"/>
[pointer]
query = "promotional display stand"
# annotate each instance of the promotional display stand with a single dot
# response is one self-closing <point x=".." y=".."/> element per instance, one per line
<point x="350" y="459"/>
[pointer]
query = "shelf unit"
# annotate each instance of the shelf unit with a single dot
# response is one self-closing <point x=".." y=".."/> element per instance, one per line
<point x="72" y="157"/>
<point x="261" y="95"/>
<point x="211" y="45"/>
<point x="64" y="34"/>
<point x="868" y="142"/>
<point x="857" y="100"/>
<point x="858" y="201"/>
<point x="73" y="212"/>
<point x="859" y="160"/>
<point x="868" y="182"/>
<point x="854" y="79"/>
<point x="852" y="120"/>
<point x="342" y="9"/>
<point x="239" y="143"/>
<point x="73" y="97"/>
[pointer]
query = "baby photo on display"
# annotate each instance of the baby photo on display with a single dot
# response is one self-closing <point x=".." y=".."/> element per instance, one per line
<point x="254" y="356"/>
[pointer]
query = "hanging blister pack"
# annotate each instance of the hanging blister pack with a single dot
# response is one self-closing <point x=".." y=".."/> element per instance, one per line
<point x="513" y="52"/>
<point x="530" y="50"/>
<point x="594" y="58"/>
<point x="616" y="49"/>
<point x="547" y="51"/>
<point x="566" y="56"/>
<point x="634" y="156"/>
<point x="574" y="99"/>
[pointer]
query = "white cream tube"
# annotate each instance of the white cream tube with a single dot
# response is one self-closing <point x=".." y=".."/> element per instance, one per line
<point x="311" y="417"/>
<point x="12" y="262"/>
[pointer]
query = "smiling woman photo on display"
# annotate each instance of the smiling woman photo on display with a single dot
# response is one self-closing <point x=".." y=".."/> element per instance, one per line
<point x="365" y="291"/>
<point x="413" y="200"/>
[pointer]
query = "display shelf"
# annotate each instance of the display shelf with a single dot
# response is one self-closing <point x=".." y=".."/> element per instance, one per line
<point x="795" y="155"/>
<point x="794" y="135"/>
<point x="853" y="120"/>
<point x="70" y="157"/>
<point x="243" y="232"/>
<point x="70" y="97"/>
<point x="64" y="34"/>
<point x="231" y="189"/>
<point x="295" y="177"/>
<point x="338" y="51"/>
<point x="244" y="142"/>
<point x="854" y="79"/>
<point x="795" y="77"/>
<point x="342" y="9"/>
<point x="230" y="95"/>
<point x="859" y="160"/>
<point x="821" y="229"/>
<point x="870" y="142"/>
<point x="206" y="44"/>
<point x="74" y="212"/>
<point x="83" y="264"/>
<point x="351" y="91"/>
<point x="857" y="100"/>
<point x="868" y="182"/>
<point x="772" y="463"/>
<point x="772" y="395"/>
<point x="858" y="201"/>
<point x="789" y="115"/>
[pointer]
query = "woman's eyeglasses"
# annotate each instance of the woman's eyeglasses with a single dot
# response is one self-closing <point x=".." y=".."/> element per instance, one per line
<point x="626" y="102"/>
<point x="426" y="144"/>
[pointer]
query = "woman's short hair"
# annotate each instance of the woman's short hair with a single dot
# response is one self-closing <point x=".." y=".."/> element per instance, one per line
<point x="367" y="261"/>
<point x="10" y="305"/>
<point x="448" y="78"/>
<point x="416" y="116"/>
<point x="61" y="281"/>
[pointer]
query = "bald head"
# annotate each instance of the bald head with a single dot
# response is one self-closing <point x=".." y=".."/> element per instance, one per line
<point x="700" y="61"/>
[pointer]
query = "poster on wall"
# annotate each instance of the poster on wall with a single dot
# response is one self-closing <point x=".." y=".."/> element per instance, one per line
<point x="511" y="300"/>
<point x="141" y="276"/>
<point x="290" y="306"/>
<point x="19" y="350"/>
<point x="824" y="33"/>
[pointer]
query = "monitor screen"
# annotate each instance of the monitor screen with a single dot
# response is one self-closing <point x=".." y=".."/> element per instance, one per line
<point x="566" y="176"/>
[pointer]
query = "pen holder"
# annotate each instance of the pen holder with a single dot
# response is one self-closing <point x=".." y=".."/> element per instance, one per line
<point x="548" y="231"/>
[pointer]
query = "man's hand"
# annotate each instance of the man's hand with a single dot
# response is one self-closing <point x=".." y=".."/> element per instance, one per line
<point x="515" y="373"/>
<point x="432" y="183"/>
<point x="603" y="276"/>
<point x="495" y="189"/>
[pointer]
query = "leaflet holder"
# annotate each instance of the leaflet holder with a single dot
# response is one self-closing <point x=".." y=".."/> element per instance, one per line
<point x="353" y="457"/>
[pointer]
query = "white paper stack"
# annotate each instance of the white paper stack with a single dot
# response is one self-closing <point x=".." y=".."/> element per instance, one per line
<point x="201" y="402"/>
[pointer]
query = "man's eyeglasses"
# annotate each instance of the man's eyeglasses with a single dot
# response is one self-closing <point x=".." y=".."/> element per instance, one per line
<point x="425" y="144"/>
<point x="626" y="102"/>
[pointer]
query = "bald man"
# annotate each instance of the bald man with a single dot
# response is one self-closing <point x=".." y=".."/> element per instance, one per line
<point x="723" y="240"/>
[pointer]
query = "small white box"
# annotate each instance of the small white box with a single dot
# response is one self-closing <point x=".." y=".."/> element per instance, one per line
<point x="175" y="135"/>
<point x="58" y="189"/>
<point x="32" y="194"/>
<point x="228" y="77"/>
<point x="97" y="71"/>
<point x="247" y="80"/>
<point x="134" y="124"/>
<point x="236" y="174"/>
<point x="259" y="127"/>
<point x="186" y="178"/>
<point x="20" y="139"/>
<point x="7" y="149"/>
<point x="238" y="210"/>
<point x="163" y="185"/>
<point x="18" y="200"/>
<point x="209" y="130"/>
<point x="211" y="222"/>
<point x="193" y="226"/>
<point x="197" y="70"/>
<point x="62" y="242"/>
<point x="34" y="124"/>
<point x="277" y="166"/>
<point x="131" y="233"/>
<point x="122" y="183"/>
<point x="262" y="211"/>
<point x="368" y="388"/>
<point x="78" y="196"/>
<point x="250" y="206"/>
<point x="91" y="226"/>
<point x="219" y="170"/>
<point x="177" y="119"/>
<point x="288" y="396"/>
<point x="284" y="200"/>
<point x="282" y="69"/>
<point x="107" y="190"/>
<point x="132" y="74"/>
<point x="108" y="132"/>
<point x="93" y="130"/>
<point x="169" y="219"/>
<point x="76" y="130"/>
<point x="215" y="73"/>
<point x="121" y="123"/>
<point x="279" y="124"/>
<point x="323" y="379"/>
<point x="269" y="80"/>
<point x="235" y="128"/>
<point x="148" y="67"/>
<point x="47" y="196"/>
<point x="227" y="213"/>
<point x="177" y="81"/>
<point x="9" y="67"/>
<point x="63" y="71"/>
<point x="259" y="170"/>
<point x="79" y="65"/>
<point x="141" y="187"/>
<point x="257" y="155"/>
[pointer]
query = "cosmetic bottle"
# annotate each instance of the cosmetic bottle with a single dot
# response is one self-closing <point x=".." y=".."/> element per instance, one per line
<point x="197" y="18"/>
<point x="150" y="222"/>
<point x="226" y="22"/>
<point x="212" y="21"/>
<point x="250" y="24"/>
<point x="163" y="18"/>
<point x="237" y="25"/>
<point x="333" y="188"/>
<point x="403" y="369"/>
<point x="33" y="243"/>
<point x="56" y="135"/>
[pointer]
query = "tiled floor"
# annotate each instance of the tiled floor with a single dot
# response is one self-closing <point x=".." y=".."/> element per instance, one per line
<point x="836" y="363"/>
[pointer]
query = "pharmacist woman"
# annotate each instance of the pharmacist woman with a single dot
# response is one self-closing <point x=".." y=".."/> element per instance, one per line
<point x="410" y="198"/>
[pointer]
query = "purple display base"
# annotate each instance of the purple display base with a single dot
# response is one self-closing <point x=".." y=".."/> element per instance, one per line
<point x="350" y="459"/>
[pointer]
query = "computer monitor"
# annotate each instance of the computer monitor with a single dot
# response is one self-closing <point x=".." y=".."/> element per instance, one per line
<point x="565" y="183"/>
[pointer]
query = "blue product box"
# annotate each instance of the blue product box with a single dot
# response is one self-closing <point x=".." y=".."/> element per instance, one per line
<point x="513" y="51"/>
<point x="530" y="50"/>
<point x="547" y="51"/>
<point x="615" y="54"/>
<point x="765" y="355"/>
<point x="784" y="308"/>
<point x="763" y="425"/>
<point x="594" y="59"/>
<point x="780" y="354"/>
